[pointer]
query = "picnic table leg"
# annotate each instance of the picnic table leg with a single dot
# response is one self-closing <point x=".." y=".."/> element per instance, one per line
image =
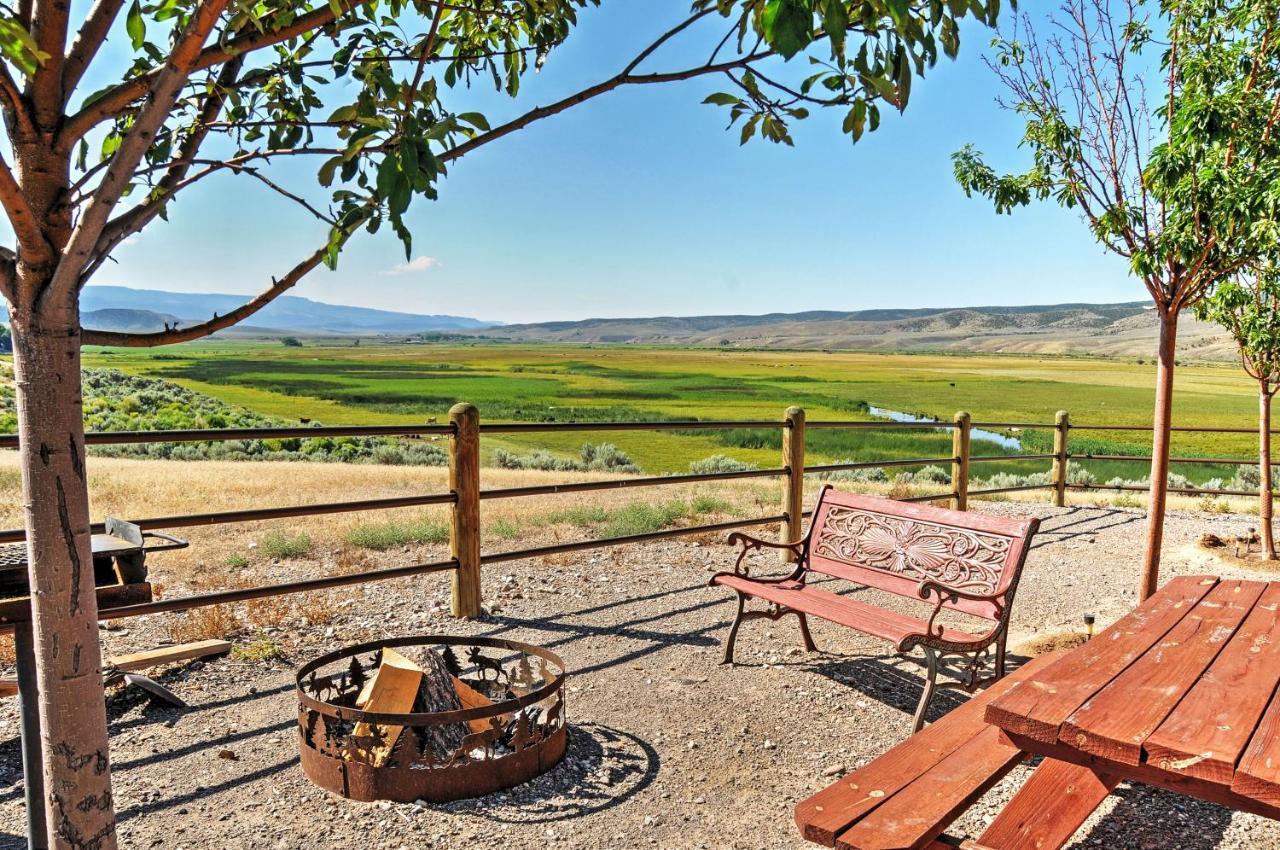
<point x="1048" y="809"/>
<point x="29" y="729"/>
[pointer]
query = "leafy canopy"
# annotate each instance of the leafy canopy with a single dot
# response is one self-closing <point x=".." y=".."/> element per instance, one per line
<point x="1182" y="183"/>
<point x="376" y="90"/>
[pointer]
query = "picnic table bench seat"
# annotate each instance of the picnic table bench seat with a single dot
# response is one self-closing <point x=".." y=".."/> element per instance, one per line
<point x="911" y="795"/>
<point x="965" y="563"/>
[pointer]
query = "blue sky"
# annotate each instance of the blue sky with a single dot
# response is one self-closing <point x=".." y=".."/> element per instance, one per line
<point x="639" y="203"/>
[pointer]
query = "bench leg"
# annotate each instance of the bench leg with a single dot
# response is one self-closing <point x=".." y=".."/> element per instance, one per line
<point x="809" y="645"/>
<point x="930" y="684"/>
<point x="733" y="630"/>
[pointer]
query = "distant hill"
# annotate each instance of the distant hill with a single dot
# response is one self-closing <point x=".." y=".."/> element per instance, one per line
<point x="119" y="308"/>
<point x="128" y="321"/>
<point x="1118" y="330"/>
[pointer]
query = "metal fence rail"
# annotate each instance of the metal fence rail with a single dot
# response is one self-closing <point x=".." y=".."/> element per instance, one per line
<point x="465" y="495"/>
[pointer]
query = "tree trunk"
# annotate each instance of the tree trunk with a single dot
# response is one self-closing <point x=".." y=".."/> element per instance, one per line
<point x="77" y="776"/>
<point x="1264" y="467"/>
<point x="1161" y="422"/>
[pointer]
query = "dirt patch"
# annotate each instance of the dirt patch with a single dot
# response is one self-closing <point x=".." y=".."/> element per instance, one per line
<point x="1243" y="549"/>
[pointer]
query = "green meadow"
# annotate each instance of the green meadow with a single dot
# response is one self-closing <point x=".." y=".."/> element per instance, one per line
<point x="340" y="383"/>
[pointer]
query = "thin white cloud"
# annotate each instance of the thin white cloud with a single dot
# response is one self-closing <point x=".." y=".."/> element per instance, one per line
<point x="417" y="265"/>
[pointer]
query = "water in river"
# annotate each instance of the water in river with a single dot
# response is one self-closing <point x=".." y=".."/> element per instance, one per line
<point x="1002" y="440"/>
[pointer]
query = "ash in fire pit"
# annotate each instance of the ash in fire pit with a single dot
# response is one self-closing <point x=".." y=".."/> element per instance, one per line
<point x="430" y="718"/>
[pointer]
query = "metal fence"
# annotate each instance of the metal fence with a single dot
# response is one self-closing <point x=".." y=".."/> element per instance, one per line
<point x="465" y="495"/>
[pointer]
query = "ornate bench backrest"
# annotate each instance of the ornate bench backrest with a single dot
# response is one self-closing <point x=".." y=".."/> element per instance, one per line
<point x="894" y="546"/>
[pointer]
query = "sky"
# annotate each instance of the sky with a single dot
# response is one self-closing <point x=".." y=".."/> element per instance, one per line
<point x="639" y="203"/>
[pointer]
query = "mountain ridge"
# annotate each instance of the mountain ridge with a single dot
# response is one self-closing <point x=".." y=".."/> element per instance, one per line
<point x="1123" y="329"/>
<point x="288" y="313"/>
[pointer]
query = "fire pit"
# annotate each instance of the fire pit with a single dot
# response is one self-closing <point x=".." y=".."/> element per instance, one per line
<point x="430" y="718"/>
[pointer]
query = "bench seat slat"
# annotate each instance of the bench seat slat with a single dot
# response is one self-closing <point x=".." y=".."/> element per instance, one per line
<point x="869" y="619"/>
<point x="918" y="814"/>
<point x="838" y="806"/>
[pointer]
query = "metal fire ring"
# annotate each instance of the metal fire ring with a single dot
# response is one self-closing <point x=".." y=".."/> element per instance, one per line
<point x="433" y="756"/>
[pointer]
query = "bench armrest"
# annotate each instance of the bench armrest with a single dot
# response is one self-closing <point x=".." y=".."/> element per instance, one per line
<point x="933" y="631"/>
<point x="751" y="544"/>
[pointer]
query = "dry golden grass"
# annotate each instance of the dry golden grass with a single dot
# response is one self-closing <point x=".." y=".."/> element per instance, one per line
<point x="8" y="652"/>
<point x="1050" y="642"/>
<point x="216" y="622"/>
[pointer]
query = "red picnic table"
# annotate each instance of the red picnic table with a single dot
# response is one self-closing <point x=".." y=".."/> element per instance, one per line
<point x="1180" y="694"/>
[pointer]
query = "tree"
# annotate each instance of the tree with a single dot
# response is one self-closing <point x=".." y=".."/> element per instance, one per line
<point x="372" y="90"/>
<point x="1249" y="308"/>
<point x="1183" y="191"/>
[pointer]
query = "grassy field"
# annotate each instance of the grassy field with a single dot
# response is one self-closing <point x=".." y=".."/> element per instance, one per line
<point x="342" y="383"/>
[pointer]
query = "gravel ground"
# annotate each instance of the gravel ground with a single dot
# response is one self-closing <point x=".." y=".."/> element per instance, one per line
<point x="667" y="747"/>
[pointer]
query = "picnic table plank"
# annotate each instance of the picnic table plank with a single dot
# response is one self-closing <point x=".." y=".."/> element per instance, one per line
<point x="919" y="813"/>
<point x="1206" y="735"/>
<point x="832" y="810"/>
<point x="1038" y="710"/>
<point x="1107" y="724"/>
<point x="1049" y="808"/>
<point x="1258" y="773"/>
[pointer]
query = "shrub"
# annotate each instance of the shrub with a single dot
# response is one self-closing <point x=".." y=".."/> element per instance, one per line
<point x="642" y="518"/>
<point x="260" y="650"/>
<point x="383" y="535"/>
<point x="605" y="457"/>
<point x="867" y="475"/>
<point x="277" y="544"/>
<point x="291" y="342"/>
<point x="706" y="504"/>
<point x="212" y="623"/>
<point x="236" y="561"/>
<point x="504" y="529"/>
<point x="1075" y="475"/>
<point x="719" y="463"/>
<point x="925" y="475"/>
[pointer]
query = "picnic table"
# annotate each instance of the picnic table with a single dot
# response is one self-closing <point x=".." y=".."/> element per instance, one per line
<point x="1181" y="693"/>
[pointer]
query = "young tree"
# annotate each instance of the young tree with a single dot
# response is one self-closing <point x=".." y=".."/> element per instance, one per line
<point x="1249" y="308"/>
<point x="1180" y="187"/>
<point x="374" y="91"/>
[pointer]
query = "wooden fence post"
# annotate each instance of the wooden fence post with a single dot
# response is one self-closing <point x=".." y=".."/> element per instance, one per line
<point x="793" y="484"/>
<point x="1060" y="459"/>
<point x="960" y="462"/>
<point x="464" y="518"/>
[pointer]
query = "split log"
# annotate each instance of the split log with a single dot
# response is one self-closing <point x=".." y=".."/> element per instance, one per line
<point x="437" y="692"/>
<point x="393" y="690"/>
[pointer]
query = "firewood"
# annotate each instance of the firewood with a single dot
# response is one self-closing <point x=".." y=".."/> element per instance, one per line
<point x="436" y="693"/>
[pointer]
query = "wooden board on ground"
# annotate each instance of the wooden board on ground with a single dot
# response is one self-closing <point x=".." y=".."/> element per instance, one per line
<point x="144" y="660"/>
<point x="392" y="690"/>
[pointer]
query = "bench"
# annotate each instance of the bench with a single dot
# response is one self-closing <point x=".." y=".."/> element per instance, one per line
<point x="912" y="794"/>
<point x="965" y="563"/>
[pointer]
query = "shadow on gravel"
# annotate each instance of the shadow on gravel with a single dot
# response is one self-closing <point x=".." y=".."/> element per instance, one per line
<point x="602" y="768"/>
<point x="1147" y="818"/>
<point x="1082" y="522"/>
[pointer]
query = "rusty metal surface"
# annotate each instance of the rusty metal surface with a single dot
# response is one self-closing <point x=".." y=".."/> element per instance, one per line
<point x="380" y="756"/>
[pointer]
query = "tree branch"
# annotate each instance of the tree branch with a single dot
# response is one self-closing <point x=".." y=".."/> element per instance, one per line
<point x="118" y="98"/>
<point x="93" y="32"/>
<point x="590" y="92"/>
<point x="49" y="29"/>
<point x="67" y="277"/>
<point x="31" y="236"/>
<point x="217" y="323"/>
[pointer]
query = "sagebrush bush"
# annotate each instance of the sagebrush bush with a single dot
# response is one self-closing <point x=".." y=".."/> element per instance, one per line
<point x="924" y="475"/>
<point x="605" y="457"/>
<point x="719" y="463"/>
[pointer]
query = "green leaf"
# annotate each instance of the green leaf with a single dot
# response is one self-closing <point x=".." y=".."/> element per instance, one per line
<point x="788" y="26"/>
<point x="722" y="99"/>
<point x="135" y="26"/>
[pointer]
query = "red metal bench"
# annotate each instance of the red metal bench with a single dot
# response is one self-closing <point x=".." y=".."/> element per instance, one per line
<point x="965" y="562"/>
